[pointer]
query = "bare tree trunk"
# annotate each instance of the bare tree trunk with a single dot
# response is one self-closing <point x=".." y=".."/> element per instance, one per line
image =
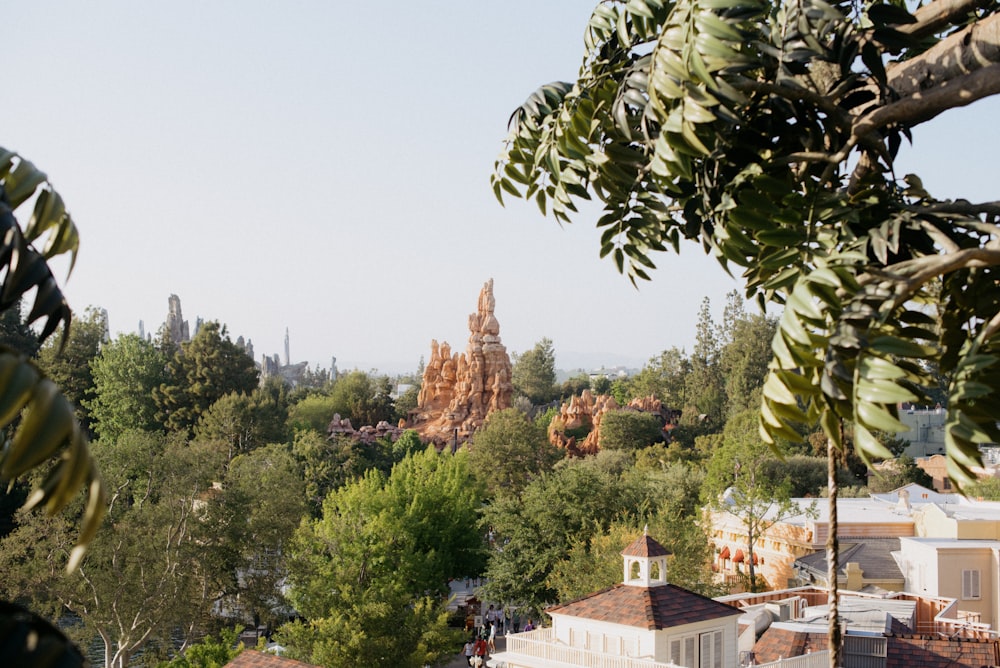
<point x="832" y="549"/>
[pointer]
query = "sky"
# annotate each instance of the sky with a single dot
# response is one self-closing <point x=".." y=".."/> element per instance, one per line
<point x="324" y="167"/>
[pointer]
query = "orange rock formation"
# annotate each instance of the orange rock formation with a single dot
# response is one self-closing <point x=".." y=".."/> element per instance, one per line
<point x="581" y="416"/>
<point x="460" y="390"/>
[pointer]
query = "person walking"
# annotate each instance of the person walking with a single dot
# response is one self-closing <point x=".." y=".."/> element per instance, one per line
<point x="479" y="659"/>
<point x="469" y="649"/>
<point x="491" y="642"/>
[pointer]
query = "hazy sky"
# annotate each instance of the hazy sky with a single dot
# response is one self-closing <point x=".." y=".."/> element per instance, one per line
<point x="324" y="166"/>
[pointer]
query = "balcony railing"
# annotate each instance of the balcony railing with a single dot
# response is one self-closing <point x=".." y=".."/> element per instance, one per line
<point x="541" y="645"/>
<point x="814" y="660"/>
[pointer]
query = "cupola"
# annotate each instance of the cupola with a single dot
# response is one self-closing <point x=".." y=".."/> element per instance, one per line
<point x="645" y="562"/>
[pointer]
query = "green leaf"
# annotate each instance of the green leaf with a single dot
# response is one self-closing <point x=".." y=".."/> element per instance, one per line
<point x="868" y="446"/>
<point x="883" y="391"/>
<point x="891" y="345"/>
<point x="875" y="417"/>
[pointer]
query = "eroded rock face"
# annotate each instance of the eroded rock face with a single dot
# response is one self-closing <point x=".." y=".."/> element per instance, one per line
<point x="578" y="426"/>
<point x="460" y="389"/>
<point x="368" y="434"/>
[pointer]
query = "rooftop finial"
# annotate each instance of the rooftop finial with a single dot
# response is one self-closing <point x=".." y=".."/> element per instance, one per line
<point x="645" y="530"/>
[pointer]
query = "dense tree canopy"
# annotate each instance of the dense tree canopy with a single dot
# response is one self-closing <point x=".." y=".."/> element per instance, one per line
<point x="145" y="575"/>
<point x="509" y="451"/>
<point x="766" y="131"/>
<point x="533" y="533"/>
<point x="68" y="363"/>
<point x="367" y="574"/>
<point x="630" y="430"/>
<point x="201" y="372"/>
<point x="125" y="372"/>
<point x="534" y="373"/>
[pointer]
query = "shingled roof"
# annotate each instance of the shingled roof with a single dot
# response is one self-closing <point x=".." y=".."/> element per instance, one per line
<point x="650" y="608"/>
<point x="645" y="546"/>
<point x="777" y="643"/>
<point x="931" y="652"/>
<point x="873" y="555"/>
<point x="902" y="651"/>
<point x="253" y="659"/>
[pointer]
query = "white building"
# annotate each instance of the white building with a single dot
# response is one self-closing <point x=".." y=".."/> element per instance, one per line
<point x="642" y="622"/>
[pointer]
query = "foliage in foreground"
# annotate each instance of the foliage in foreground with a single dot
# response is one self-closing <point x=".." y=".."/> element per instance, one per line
<point x="369" y="576"/>
<point x="766" y="132"/>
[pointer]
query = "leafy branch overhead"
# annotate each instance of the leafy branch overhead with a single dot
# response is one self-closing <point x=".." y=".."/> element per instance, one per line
<point x="48" y="428"/>
<point x="766" y="131"/>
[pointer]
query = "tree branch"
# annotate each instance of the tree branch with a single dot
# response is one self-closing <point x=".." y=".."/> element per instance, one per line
<point x="970" y="49"/>
<point x="939" y="15"/>
<point x="922" y="106"/>
<point x="958" y="206"/>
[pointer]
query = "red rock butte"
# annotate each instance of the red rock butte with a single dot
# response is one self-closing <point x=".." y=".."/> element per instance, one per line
<point x="460" y="390"/>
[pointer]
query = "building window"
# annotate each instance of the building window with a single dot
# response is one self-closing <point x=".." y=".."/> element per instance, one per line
<point x="683" y="651"/>
<point x="970" y="585"/>
<point x="711" y="650"/>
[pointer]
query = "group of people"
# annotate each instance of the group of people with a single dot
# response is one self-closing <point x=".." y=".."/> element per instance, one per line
<point x="483" y="641"/>
<point x="476" y="651"/>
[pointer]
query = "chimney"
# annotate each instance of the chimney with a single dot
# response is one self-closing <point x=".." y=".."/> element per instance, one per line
<point x="855" y="576"/>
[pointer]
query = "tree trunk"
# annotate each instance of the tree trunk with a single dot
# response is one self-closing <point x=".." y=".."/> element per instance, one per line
<point x="832" y="549"/>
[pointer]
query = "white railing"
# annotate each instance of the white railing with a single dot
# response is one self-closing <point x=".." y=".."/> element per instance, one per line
<point x="541" y="644"/>
<point x="814" y="660"/>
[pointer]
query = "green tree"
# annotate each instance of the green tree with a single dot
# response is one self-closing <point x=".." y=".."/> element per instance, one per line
<point x="146" y="574"/>
<point x="125" y="373"/>
<point x="534" y="373"/>
<point x="15" y="334"/>
<point x="985" y="488"/>
<point x="202" y="371"/>
<point x="595" y="564"/>
<point x="68" y="363"/>
<point x="362" y="398"/>
<point x="704" y="390"/>
<point x="369" y="575"/>
<point x="630" y="430"/>
<point x="574" y="386"/>
<point x="672" y="517"/>
<point x="244" y="422"/>
<point x="807" y="475"/>
<point x="209" y="652"/>
<point x="740" y="480"/>
<point x="262" y="504"/>
<point x="408" y="443"/>
<point x="313" y="411"/>
<point x="900" y="471"/>
<point x="579" y="498"/>
<point x="766" y="131"/>
<point x="601" y="385"/>
<point x="664" y="377"/>
<point x="509" y="451"/>
<point x="744" y="355"/>
<point x="407" y="401"/>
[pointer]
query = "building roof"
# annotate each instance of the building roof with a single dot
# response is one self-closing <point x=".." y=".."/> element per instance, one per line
<point x="908" y="651"/>
<point x="902" y="650"/>
<point x="873" y="555"/>
<point x="650" y="608"/>
<point x="779" y="642"/>
<point x="645" y="546"/>
<point x="251" y="658"/>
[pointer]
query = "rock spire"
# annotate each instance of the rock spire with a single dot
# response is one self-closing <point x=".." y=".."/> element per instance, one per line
<point x="460" y="390"/>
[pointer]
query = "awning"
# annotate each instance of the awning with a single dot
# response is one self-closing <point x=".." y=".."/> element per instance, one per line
<point x="725" y="553"/>
<point x="739" y="556"/>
